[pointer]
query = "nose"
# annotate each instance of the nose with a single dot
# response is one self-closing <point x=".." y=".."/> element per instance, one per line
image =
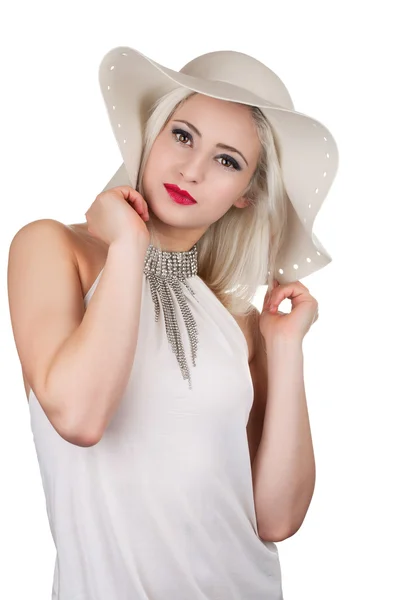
<point x="193" y="169"/>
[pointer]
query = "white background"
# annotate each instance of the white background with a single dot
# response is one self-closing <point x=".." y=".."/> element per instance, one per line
<point x="339" y="63"/>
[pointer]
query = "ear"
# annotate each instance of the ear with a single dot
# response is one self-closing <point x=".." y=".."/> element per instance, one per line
<point x="241" y="202"/>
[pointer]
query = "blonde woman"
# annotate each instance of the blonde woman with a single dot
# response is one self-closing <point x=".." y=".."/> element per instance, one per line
<point x="169" y="415"/>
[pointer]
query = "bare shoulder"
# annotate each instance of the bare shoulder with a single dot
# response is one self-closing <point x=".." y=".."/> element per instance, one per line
<point x="44" y="293"/>
<point x="37" y="238"/>
<point x="34" y="227"/>
<point x="51" y="267"/>
<point x="88" y="253"/>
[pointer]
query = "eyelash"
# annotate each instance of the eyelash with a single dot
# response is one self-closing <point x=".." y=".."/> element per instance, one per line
<point x="235" y="165"/>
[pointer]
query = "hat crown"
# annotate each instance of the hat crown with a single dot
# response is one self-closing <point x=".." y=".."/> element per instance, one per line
<point x="242" y="70"/>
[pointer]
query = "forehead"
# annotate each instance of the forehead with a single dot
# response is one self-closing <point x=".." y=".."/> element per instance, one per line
<point x="213" y="108"/>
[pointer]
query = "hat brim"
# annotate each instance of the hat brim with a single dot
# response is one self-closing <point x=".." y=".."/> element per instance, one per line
<point x="131" y="82"/>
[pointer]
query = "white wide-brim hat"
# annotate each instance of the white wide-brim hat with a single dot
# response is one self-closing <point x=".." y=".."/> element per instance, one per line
<point x="131" y="82"/>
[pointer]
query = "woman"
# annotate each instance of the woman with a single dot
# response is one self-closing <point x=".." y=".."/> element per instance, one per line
<point x="172" y="477"/>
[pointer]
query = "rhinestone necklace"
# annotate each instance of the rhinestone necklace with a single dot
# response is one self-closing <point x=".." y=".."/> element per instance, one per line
<point x="166" y="272"/>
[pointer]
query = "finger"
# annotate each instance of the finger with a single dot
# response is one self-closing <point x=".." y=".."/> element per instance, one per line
<point x="267" y="298"/>
<point x="137" y="204"/>
<point x="292" y="291"/>
<point x="130" y="194"/>
<point x="144" y="210"/>
<point x="145" y="207"/>
<point x="142" y="204"/>
<point x="127" y="189"/>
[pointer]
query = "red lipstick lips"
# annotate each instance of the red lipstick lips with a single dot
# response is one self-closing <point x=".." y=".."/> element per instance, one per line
<point x="180" y="196"/>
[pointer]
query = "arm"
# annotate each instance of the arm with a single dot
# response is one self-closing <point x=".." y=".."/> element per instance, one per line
<point x="283" y="464"/>
<point x="77" y="362"/>
<point x="90" y="372"/>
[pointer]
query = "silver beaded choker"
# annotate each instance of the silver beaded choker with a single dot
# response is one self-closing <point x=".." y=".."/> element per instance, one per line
<point x="166" y="272"/>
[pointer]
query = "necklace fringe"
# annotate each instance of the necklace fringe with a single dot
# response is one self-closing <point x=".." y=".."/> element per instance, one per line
<point x="167" y="272"/>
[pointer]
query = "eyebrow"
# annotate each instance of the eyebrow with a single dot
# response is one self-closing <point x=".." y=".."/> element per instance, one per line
<point x="224" y="146"/>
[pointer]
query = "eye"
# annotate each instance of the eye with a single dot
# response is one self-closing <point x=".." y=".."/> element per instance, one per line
<point x="230" y="160"/>
<point x="182" y="133"/>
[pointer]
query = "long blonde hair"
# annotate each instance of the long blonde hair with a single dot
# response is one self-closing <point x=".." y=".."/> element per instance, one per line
<point x="238" y="252"/>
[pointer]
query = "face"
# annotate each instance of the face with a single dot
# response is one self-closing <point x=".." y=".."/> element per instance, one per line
<point x="190" y="157"/>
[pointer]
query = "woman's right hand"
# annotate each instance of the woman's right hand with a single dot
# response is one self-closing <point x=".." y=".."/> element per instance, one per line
<point x="118" y="212"/>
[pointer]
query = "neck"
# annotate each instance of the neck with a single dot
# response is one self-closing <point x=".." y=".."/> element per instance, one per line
<point x="170" y="239"/>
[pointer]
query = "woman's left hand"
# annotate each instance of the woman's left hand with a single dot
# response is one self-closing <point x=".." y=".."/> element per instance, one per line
<point x="291" y="326"/>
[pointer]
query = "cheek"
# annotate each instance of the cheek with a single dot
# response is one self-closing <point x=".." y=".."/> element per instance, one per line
<point x="158" y="154"/>
<point x="155" y="167"/>
<point x="226" y="189"/>
<point x="219" y="203"/>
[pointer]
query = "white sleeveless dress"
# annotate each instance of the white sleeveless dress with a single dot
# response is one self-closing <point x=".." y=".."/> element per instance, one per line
<point x="162" y="507"/>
